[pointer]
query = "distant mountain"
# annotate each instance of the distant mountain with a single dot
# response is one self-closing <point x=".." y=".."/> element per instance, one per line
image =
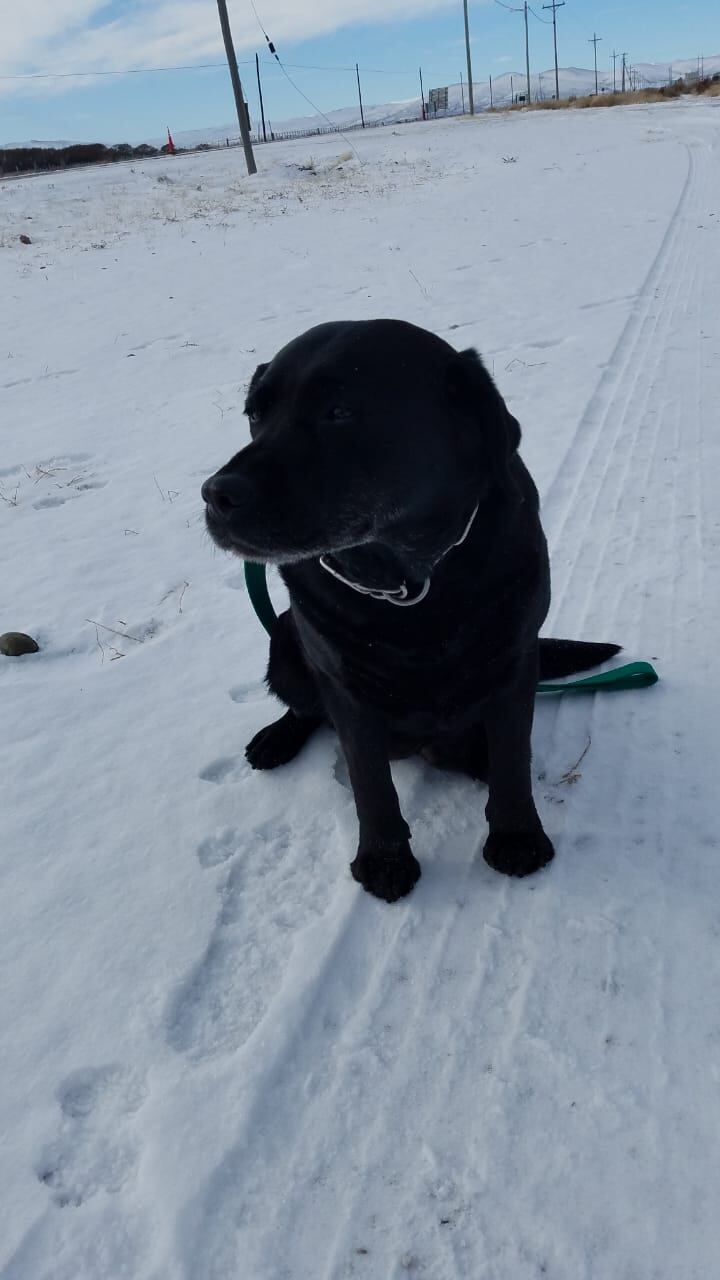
<point x="11" y="146"/>
<point x="505" y="89"/>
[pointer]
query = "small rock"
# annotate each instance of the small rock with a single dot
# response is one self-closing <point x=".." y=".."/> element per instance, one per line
<point x="15" y="643"/>
<point x="25" y="239"/>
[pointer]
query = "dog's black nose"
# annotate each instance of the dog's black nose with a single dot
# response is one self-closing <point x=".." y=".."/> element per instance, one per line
<point x="224" y="493"/>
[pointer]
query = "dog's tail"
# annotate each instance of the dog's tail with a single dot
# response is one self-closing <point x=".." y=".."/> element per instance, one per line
<point x="564" y="657"/>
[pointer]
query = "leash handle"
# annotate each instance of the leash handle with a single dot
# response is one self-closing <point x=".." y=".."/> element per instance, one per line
<point x="634" y="675"/>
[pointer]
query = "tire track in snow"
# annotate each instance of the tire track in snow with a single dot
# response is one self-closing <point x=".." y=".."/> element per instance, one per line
<point x="358" y="1016"/>
<point x="560" y="498"/>
<point x="653" y="975"/>
<point x="580" y="487"/>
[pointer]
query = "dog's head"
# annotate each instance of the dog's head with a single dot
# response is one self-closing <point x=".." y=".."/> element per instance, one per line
<point x="362" y="432"/>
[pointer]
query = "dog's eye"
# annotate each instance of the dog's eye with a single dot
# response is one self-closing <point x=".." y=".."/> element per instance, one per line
<point x="253" y="417"/>
<point x="339" y="413"/>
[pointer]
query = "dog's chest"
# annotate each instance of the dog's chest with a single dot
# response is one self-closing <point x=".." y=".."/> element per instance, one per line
<point x="415" y="678"/>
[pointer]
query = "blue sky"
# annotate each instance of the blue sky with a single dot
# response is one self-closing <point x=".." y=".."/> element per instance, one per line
<point x="389" y="38"/>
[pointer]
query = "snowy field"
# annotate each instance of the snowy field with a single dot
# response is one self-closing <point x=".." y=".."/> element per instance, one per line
<point x="220" y="1060"/>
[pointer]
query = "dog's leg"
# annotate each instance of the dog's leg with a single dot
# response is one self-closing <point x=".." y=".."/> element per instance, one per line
<point x="517" y="844"/>
<point x="289" y="678"/>
<point x="278" y="743"/>
<point x="384" y="864"/>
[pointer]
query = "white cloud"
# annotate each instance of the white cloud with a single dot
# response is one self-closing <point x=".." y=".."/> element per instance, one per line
<point x="96" y="35"/>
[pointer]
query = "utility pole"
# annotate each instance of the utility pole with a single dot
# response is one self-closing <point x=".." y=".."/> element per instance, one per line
<point x="262" y="109"/>
<point x="237" y="87"/>
<point x="512" y="89"/>
<point x="422" y="95"/>
<point x="624" y="56"/>
<point x="596" y="40"/>
<point x="471" y="100"/>
<point x="615" y="57"/>
<point x="556" y="4"/>
<point x="462" y="93"/>
<point x="357" y="73"/>
<point x="491" y="97"/>
<point x="527" y="52"/>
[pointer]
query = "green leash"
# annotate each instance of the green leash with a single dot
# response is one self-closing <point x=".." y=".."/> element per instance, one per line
<point x="256" y="583"/>
<point x="634" y="675"/>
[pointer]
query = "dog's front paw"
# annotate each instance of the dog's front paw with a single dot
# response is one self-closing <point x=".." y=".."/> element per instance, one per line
<point x="278" y="743"/>
<point x="518" y="853"/>
<point x="387" y="873"/>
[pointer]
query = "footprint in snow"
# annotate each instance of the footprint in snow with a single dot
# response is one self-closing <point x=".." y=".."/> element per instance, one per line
<point x="73" y="491"/>
<point x="269" y="892"/>
<point x="221" y="770"/>
<point x="251" y="692"/>
<point x="49" y="502"/>
<point x="220" y="848"/>
<point x="96" y="1148"/>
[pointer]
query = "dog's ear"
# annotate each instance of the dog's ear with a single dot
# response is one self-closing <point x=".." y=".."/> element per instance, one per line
<point x="257" y="376"/>
<point x="473" y="392"/>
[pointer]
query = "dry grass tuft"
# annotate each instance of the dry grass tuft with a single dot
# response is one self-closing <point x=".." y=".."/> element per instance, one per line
<point x="665" y="93"/>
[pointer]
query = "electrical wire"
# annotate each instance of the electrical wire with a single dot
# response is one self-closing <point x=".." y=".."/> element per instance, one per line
<point x="290" y="81"/>
<point x="133" y="71"/>
<point x="200" y="67"/>
<point x="197" y="66"/>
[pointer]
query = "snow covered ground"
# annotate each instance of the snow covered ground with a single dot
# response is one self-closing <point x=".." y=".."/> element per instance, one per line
<point x="219" y="1058"/>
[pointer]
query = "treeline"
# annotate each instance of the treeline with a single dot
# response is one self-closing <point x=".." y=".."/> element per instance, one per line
<point x="28" y="159"/>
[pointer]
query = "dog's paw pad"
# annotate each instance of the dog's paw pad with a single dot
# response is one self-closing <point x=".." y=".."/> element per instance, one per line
<point x="389" y="874"/>
<point x="518" y="853"/>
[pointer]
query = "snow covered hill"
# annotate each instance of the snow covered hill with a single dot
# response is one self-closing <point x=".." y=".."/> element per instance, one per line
<point x="505" y="89"/>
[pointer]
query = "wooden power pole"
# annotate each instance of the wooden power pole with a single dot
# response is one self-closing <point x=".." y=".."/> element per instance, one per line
<point x="527" y="52"/>
<point x="596" y="40"/>
<point x="362" y="114"/>
<point x="237" y="87"/>
<point x="556" y="4"/>
<point x="262" y="105"/>
<point x="471" y="99"/>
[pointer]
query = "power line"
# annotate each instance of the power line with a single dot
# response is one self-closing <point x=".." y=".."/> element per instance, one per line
<point x="196" y="66"/>
<point x="290" y="81"/>
<point x="133" y="71"/>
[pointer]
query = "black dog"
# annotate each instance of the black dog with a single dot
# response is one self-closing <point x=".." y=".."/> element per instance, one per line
<point x="384" y="478"/>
